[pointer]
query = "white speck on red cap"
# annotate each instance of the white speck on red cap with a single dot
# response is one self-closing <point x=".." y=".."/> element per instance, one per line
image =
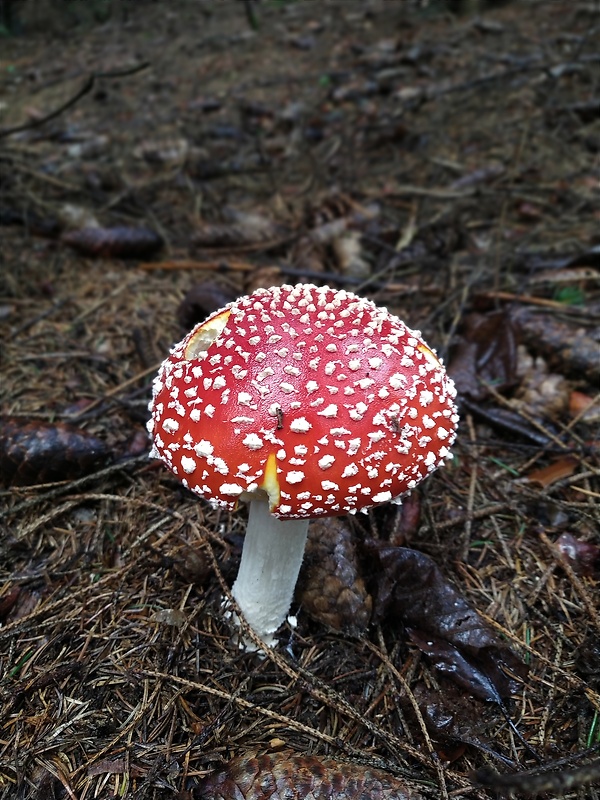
<point x="188" y="464"/>
<point x="326" y="462"/>
<point x="253" y="441"/>
<point x="300" y="425"/>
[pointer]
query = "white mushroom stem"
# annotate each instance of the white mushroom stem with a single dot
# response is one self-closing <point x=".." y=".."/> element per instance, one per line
<point x="271" y="560"/>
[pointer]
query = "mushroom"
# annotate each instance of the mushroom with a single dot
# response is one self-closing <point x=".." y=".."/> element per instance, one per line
<point x="308" y="402"/>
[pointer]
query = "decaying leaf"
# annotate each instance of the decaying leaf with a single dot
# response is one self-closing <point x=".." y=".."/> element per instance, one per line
<point x="332" y="590"/>
<point x="41" y="452"/>
<point x="118" y="242"/>
<point x="284" y="775"/>
<point x="201" y="300"/>
<point x="452" y="716"/>
<point x="448" y="659"/>
<point x="263" y="278"/>
<point x="510" y="422"/>
<point x="411" y="590"/>
<point x="486" y="353"/>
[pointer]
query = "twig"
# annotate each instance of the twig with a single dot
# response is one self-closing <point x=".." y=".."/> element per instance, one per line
<point x="533" y="783"/>
<point x="85" y="89"/>
<point x="575" y="581"/>
<point x="69" y="486"/>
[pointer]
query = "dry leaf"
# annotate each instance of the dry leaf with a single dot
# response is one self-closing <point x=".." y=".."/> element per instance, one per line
<point x="546" y="476"/>
<point x="584" y="405"/>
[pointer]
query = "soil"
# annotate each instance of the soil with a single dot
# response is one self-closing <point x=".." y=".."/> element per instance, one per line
<point x="158" y="160"/>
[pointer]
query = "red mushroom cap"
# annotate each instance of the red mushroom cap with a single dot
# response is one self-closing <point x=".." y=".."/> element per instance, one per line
<point x="318" y="397"/>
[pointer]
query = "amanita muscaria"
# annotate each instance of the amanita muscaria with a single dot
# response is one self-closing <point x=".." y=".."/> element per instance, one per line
<point x="307" y="402"/>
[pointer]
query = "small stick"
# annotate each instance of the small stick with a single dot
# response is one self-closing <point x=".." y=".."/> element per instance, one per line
<point x="85" y="89"/>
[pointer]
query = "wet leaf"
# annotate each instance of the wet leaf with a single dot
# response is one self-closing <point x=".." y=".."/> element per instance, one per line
<point x="584" y="557"/>
<point x="41" y="452"/>
<point x="118" y="242"/>
<point x="411" y="590"/>
<point x="454" y="716"/>
<point x="486" y="353"/>
<point x="331" y="588"/>
<point x="449" y="660"/>
<point x="509" y="422"/>
<point x="283" y="775"/>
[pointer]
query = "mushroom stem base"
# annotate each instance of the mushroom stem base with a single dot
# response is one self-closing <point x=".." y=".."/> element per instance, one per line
<point x="271" y="560"/>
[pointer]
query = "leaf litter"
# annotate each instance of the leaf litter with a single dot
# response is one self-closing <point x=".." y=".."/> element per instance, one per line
<point x="439" y="164"/>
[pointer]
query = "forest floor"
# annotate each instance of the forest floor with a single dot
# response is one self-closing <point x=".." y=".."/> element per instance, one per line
<point x="444" y="166"/>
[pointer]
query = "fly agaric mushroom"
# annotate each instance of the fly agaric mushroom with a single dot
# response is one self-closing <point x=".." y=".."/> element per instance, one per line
<point x="307" y="402"/>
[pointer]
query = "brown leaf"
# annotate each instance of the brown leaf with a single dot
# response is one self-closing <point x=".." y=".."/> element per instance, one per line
<point x="452" y="716"/>
<point x="546" y="476"/>
<point x="41" y="452"/>
<point x="411" y="590"/>
<point x="263" y="278"/>
<point x="449" y="660"/>
<point x="114" y="766"/>
<point x="283" y="775"/>
<point x="8" y="600"/>
<point x="584" y="405"/>
<point x="118" y="242"/>
<point x="486" y="353"/>
<point x="332" y="590"/>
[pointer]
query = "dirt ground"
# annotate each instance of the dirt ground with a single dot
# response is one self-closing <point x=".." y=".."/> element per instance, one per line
<point x="444" y="165"/>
